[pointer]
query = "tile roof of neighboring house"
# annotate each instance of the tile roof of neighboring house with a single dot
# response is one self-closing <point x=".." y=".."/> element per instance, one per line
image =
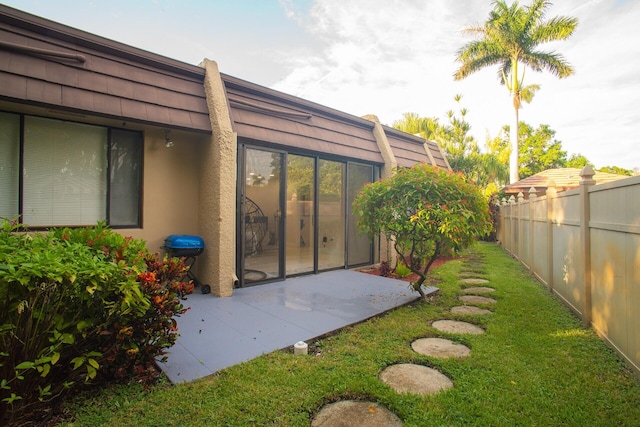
<point x="564" y="179"/>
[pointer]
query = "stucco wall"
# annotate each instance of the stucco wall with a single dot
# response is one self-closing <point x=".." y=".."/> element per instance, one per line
<point x="170" y="187"/>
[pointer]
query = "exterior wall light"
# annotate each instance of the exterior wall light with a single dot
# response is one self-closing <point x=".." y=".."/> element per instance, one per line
<point x="167" y="140"/>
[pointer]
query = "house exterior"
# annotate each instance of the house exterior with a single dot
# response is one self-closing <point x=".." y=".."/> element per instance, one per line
<point x="94" y="130"/>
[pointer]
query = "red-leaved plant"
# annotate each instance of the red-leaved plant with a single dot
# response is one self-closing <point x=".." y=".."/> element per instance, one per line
<point x="135" y="341"/>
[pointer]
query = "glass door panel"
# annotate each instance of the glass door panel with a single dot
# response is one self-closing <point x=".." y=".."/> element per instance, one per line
<point x="331" y="214"/>
<point x="359" y="245"/>
<point x="300" y="214"/>
<point x="261" y="217"/>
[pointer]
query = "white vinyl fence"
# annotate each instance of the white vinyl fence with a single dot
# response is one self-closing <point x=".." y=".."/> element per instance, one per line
<point x="584" y="245"/>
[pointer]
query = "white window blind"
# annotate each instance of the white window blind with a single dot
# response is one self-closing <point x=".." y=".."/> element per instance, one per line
<point x="64" y="173"/>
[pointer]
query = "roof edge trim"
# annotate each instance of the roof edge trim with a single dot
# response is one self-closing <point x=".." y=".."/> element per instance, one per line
<point x="250" y="106"/>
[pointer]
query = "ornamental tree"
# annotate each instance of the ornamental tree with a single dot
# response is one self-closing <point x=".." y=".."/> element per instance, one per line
<point x="425" y="212"/>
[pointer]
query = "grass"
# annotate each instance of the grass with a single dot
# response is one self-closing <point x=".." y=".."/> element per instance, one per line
<point x="535" y="365"/>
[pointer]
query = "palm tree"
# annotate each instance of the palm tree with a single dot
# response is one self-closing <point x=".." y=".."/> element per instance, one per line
<point x="412" y="123"/>
<point x="509" y="38"/>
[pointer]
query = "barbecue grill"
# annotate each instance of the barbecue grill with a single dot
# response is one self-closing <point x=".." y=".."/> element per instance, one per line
<point x="189" y="247"/>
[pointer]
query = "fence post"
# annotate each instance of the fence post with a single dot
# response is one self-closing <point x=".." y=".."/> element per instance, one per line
<point x="520" y="226"/>
<point x="503" y="229"/>
<point x="551" y="195"/>
<point x="532" y="198"/>
<point x="585" y="216"/>
<point x="512" y="203"/>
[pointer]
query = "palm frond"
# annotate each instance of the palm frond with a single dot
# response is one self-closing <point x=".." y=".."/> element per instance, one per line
<point x="528" y="92"/>
<point x="535" y="13"/>
<point x="549" y="61"/>
<point x="558" y="28"/>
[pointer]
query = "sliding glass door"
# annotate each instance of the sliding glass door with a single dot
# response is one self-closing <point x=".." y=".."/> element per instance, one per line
<point x="261" y="216"/>
<point x="331" y="214"/>
<point x="295" y="215"/>
<point x="300" y="220"/>
<point x="359" y="245"/>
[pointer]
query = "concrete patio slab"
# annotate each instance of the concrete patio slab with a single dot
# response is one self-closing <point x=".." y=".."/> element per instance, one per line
<point x="220" y="332"/>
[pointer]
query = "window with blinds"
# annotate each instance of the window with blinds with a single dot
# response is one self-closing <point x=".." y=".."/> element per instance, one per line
<point x="59" y="173"/>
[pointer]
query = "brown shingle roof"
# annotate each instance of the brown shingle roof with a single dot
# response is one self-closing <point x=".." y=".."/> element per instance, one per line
<point x="50" y="64"/>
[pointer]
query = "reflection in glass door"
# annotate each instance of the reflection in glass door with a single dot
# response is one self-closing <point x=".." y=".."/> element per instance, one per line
<point x="261" y="216"/>
<point x="359" y="244"/>
<point x="331" y="214"/>
<point x="300" y="220"/>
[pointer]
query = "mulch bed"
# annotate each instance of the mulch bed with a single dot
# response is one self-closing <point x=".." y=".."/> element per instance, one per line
<point x="412" y="277"/>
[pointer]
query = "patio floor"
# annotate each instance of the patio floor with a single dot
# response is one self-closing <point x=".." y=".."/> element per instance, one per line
<point x="220" y="332"/>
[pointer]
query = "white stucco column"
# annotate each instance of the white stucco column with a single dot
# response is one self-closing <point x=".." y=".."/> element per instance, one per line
<point x="390" y="162"/>
<point x="387" y="253"/>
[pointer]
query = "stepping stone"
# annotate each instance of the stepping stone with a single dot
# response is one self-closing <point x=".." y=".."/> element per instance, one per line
<point x="348" y="413"/>
<point x="478" y="290"/>
<point x="474" y="268"/>
<point x="457" y="327"/>
<point x="474" y="263"/>
<point x="415" y="379"/>
<point x="439" y="347"/>
<point x="476" y="299"/>
<point x="471" y="274"/>
<point x="474" y="281"/>
<point x="469" y="309"/>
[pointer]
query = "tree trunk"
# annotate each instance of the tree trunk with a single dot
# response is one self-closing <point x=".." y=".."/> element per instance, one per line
<point x="513" y="159"/>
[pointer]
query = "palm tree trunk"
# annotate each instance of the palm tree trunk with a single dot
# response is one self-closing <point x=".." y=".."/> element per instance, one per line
<point x="513" y="159"/>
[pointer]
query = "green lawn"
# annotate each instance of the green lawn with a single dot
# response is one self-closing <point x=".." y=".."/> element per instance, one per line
<point x="535" y="365"/>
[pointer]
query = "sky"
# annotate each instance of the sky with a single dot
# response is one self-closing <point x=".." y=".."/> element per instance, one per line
<point x="389" y="57"/>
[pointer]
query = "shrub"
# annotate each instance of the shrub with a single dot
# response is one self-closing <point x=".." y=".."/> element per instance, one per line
<point x="78" y="306"/>
<point x="426" y="211"/>
<point x="402" y="270"/>
<point x="385" y="268"/>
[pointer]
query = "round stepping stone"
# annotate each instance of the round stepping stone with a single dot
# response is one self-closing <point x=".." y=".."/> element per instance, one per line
<point x="439" y="347"/>
<point x="348" y="413"/>
<point x="478" y="290"/>
<point x="476" y="299"/>
<point x="415" y="379"/>
<point x="469" y="309"/>
<point x="474" y="281"/>
<point x="457" y="327"/>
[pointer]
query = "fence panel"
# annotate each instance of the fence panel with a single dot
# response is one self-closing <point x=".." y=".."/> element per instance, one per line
<point x="615" y="254"/>
<point x="540" y="260"/>
<point x="568" y="276"/>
